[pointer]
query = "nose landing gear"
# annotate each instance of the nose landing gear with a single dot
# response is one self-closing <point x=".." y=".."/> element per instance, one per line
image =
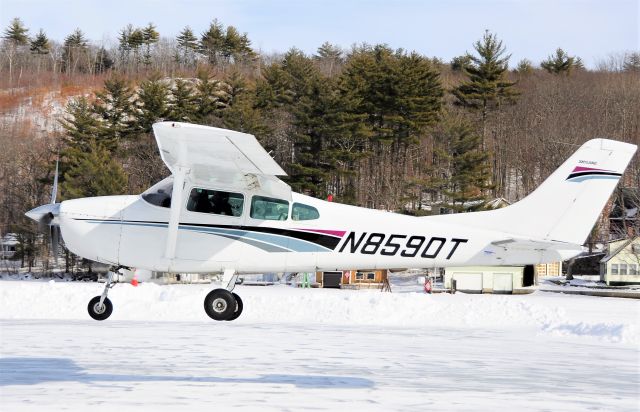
<point x="223" y="304"/>
<point x="100" y="307"/>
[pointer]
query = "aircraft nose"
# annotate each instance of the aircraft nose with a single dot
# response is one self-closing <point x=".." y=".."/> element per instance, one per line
<point x="39" y="212"/>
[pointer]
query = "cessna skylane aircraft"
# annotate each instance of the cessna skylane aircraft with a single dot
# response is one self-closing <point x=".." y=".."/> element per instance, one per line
<point x="223" y="210"/>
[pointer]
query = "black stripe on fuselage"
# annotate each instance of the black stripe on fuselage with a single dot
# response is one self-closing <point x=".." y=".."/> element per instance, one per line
<point x="327" y="241"/>
<point x="592" y="173"/>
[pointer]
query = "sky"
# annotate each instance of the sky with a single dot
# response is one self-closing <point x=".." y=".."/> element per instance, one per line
<point x="529" y="29"/>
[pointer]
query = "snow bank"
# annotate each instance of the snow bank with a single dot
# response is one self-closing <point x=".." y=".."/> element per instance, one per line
<point x="613" y="320"/>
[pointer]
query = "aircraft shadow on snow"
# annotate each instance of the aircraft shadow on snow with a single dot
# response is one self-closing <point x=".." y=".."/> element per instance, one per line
<point x="32" y="371"/>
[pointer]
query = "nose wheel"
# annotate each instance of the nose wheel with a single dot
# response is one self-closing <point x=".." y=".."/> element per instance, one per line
<point x="100" y="307"/>
<point x="100" y="311"/>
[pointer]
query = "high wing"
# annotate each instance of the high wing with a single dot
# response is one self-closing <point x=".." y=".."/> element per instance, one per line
<point x="210" y="152"/>
<point x="211" y="156"/>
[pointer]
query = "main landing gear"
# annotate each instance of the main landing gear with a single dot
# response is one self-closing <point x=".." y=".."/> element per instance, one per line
<point x="223" y="304"/>
<point x="100" y="307"/>
<point x="220" y="304"/>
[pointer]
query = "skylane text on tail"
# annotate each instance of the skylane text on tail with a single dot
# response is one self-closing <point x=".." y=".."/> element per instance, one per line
<point x="223" y="209"/>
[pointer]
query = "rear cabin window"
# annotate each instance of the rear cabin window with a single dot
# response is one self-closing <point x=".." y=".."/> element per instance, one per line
<point x="304" y="212"/>
<point x="215" y="202"/>
<point x="268" y="208"/>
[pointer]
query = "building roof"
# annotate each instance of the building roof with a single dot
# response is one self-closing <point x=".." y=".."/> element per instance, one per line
<point x="10" y="239"/>
<point x="618" y="250"/>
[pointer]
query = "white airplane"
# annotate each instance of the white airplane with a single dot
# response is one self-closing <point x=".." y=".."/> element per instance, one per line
<point x="224" y="210"/>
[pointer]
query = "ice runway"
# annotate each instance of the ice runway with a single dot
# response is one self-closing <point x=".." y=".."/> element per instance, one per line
<point x="322" y="350"/>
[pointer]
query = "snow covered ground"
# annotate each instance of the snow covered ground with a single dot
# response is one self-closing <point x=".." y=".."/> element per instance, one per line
<point x="316" y="349"/>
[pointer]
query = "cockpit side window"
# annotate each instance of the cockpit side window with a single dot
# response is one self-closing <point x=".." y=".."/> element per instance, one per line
<point x="160" y="193"/>
<point x="215" y="202"/>
<point x="269" y="208"/>
<point x="304" y="212"/>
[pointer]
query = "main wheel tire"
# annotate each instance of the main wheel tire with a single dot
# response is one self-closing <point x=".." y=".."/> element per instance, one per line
<point x="239" y="306"/>
<point x="98" y="312"/>
<point x="220" y="304"/>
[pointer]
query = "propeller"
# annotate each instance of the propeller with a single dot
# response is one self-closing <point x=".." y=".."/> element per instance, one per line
<point x="46" y="216"/>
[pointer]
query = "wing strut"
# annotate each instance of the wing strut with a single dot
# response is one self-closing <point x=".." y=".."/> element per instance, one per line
<point x="179" y="176"/>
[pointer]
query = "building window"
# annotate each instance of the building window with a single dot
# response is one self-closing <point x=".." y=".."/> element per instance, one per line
<point x="268" y="208"/>
<point x="215" y="202"/>
<point x="304" y="212"/>
<point x="614" y="268"/>
<point x="371" y="276"/>
<point x="623" y="269"/>
<point x="633" y="269"/>
<point x="359" y="276"/>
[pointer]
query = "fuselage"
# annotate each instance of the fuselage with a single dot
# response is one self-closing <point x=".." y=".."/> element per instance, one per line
<point x="131" y="231"/>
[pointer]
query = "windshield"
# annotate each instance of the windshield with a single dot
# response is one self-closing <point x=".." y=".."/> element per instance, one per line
<point x="160" y="193"/>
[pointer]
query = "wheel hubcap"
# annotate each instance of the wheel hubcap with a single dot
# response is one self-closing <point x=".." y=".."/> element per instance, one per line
<point x="219" y="305"/>
<point x="98" y="308"/>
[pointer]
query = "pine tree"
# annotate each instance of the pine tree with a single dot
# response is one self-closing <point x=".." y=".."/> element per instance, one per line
<point x="467" y="175"/>
<point x="210" y="98"/>
<point x="15" y="36"/>
<point x="152" y="103"/>
<point x="212" y="42"/>
<point x="309" y="170"/>
<point x="330" y="58"/>
<point x="188" y="43"/>
<point x="150" y="36"/>
<point x="182" y="106"/>
<point x="459" y="63"/>
<point x="114" y="106"/>
<point x="136" y="40"/>
<point x="40" y="43"/>
<point x="524" y="67"/>
<point x="82" y="129"/>
<point x="241" y="113"/>
<point x="16" y="33"/>
<point x="300" y="75"/>
<point x="559" y="63"/>
<point x="123" y="43"/>
<point x="401" y="94"/>
<point x="486" y="88"/>
<point x="244" y="52"/>
<point x="273" y="88"/>
<point x="346" y="134"/>
<point x="231" y="44"/>
<point x="74" y="49"/>
<point x="81" y="125"/>
<point x="187" y="40"/>
<point x="93" y="173"/>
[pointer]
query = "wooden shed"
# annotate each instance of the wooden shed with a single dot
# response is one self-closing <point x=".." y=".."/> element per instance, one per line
<point x="352" y="279"/>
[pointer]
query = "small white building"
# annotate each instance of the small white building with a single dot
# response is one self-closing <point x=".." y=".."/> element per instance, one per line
<point x="8" y="245"/>
<point x="490" y="279"/>
<point x="621" y="265"/>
